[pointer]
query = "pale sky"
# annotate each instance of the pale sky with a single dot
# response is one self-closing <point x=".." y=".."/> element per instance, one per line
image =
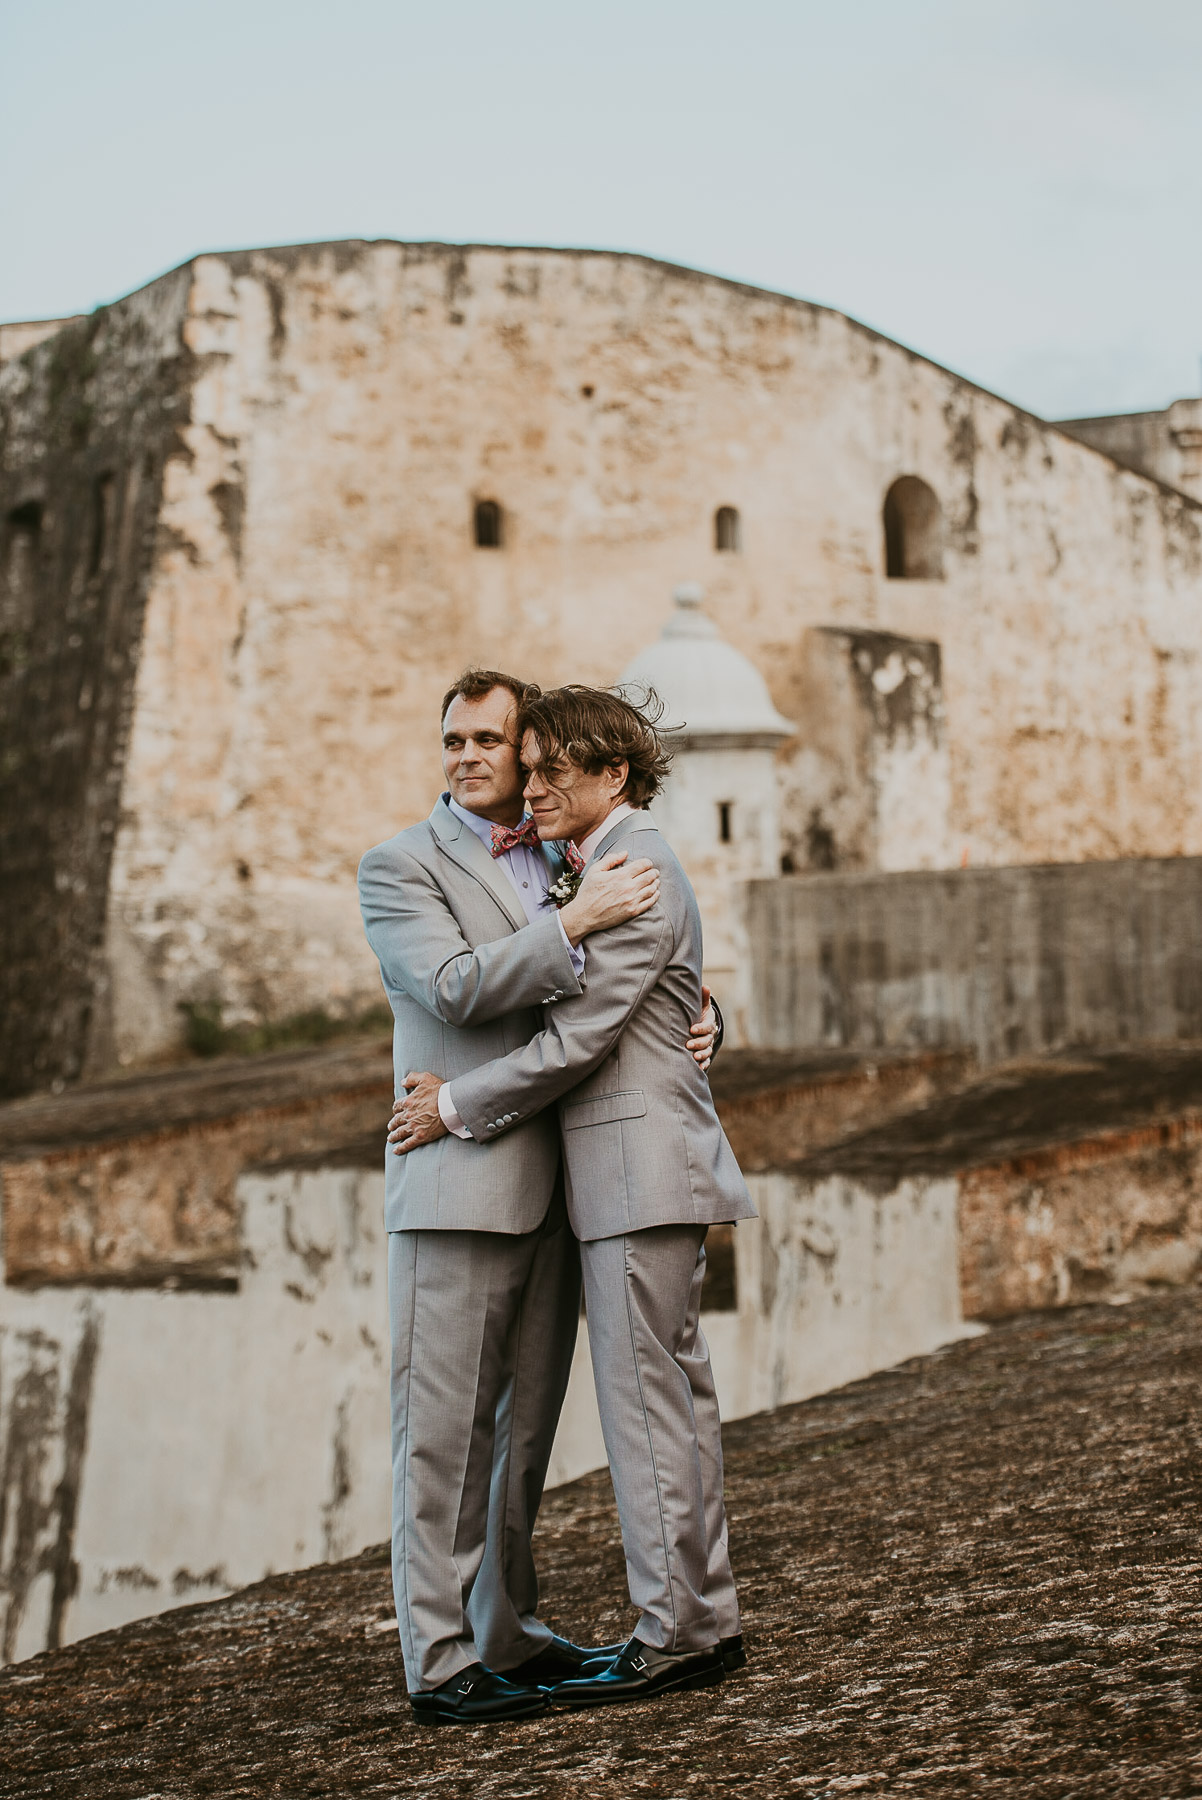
<point x="1013" y="187"/>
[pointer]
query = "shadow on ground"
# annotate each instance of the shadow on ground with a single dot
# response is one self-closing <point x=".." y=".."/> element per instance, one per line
<point x="977" y="1574"/>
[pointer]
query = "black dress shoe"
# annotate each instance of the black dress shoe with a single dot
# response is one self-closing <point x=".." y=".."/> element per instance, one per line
<point x="639" y="1672"/>
<point x="557" y="1661"/>
<point x="733" y="1656"/>
<point x="476" y="1697"/>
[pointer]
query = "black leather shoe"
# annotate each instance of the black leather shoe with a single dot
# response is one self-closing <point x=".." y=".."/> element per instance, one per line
<point x="477" y="1697"/>
<point x="733" y="1656"/>
<point x="557" y="1661"/>
<point x="640" y="1673"/>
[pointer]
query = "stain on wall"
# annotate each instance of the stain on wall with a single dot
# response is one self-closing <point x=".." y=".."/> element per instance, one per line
<point x="45" y="1398"/>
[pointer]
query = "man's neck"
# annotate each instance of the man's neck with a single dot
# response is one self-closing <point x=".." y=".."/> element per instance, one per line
<point x="585" y="832"/>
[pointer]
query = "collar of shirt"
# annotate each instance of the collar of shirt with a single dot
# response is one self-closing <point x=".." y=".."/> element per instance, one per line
<point x="607" y="824"/>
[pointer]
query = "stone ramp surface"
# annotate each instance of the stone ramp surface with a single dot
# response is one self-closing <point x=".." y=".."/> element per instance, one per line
<point x="976" y="1574"/>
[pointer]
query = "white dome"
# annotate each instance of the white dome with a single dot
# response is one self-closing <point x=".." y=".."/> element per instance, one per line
<point x="710" y="689"/>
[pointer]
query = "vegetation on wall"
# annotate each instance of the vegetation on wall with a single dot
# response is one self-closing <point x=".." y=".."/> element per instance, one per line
<point x="206" y="1034"/>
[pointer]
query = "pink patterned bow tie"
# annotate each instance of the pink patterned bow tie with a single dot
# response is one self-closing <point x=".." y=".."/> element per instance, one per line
<point x="573" y="858"/>
<point x="508" y="837"/>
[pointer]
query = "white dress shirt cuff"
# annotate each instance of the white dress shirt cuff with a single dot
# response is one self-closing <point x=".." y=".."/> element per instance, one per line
<point x="448" y="1114"/>
<point x="575" y="952"/>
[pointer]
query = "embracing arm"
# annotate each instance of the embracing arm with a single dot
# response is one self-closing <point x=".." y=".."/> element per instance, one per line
<point x="625" y="964"/>
<point x="422" y="951"/>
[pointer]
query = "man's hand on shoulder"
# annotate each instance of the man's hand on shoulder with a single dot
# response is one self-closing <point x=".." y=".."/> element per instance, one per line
<point x="610" y="894"/>
<point x="416" y="1119"/>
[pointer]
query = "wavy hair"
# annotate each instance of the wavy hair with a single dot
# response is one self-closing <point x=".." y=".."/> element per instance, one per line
<point x="595" y="728"/>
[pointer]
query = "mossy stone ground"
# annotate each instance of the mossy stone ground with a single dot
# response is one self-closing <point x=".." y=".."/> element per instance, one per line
<point x="977" y="1574"/>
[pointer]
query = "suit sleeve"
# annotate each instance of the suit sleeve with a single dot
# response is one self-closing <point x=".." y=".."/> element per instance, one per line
<point x="624" y="965"/>
<point x="422" y="951"/>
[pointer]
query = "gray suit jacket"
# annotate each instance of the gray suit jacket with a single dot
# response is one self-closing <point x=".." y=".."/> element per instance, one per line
<point x="468" y="980"/>
<point x="642" y="1142"/>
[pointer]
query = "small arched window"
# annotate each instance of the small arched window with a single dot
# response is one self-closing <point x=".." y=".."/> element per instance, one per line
<point x="27" y="518"/>
<point x="488" y="525"/>
<point x="22" y="555"/>
<point x="104" y="494"/>
<point x="913" y="531"/>
<point x="726" y="528"/>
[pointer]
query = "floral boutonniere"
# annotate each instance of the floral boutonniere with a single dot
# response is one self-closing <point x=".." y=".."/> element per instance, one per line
<point x="564" y="888"/>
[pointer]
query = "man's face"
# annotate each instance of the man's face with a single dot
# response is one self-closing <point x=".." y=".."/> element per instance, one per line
<point x="479" y="756"/>
<point x="568" y="803"/>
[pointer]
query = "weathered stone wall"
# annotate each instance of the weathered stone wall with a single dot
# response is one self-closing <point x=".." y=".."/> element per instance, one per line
<point x="158" y="1446"/>
<point x="317" y="580"/>
<point x="1004" y="962"/>
<point x="134" y="1184"/>
<point x="1076" y="1175"/>
<point x="87" y="421"/>
<point x="20" y="335"/>
<point x="1107" y="1220"/>
<point x="869" y="784"/>
<point x="1165" y="445"/>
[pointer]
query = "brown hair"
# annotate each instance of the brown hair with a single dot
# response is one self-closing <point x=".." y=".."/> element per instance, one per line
<point x="474" y="684"/>
<point x="595" y="728"/>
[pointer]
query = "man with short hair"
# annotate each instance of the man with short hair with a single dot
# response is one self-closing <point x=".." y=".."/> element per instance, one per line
<point x="648" y="1170"/>
<point x="484" y="1277"/>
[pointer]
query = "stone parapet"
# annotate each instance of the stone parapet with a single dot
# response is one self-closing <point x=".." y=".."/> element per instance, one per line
<point x="1005" y="962"/>
<point x="778" y="1105"/>
<point x="133" y="1183"/>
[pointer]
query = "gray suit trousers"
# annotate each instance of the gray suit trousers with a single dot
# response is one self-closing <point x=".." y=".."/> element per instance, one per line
<point x="483" y="1328"/>
<point x="659" y="1416"/>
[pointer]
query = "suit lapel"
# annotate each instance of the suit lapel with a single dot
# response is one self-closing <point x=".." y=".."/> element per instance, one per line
<point x="465" y="848"/>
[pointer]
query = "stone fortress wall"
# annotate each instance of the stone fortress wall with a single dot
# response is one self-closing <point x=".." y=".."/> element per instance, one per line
<point x="241" y="566"/>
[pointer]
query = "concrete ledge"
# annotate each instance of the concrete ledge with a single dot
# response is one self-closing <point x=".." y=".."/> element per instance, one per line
<point x="777" y="1105"/>
<point x="1011" y="961"/>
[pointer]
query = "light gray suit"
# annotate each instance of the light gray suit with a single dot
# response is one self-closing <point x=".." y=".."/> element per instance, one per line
<point x="484" y="1274"/>
<point x="648" y="1169"/>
